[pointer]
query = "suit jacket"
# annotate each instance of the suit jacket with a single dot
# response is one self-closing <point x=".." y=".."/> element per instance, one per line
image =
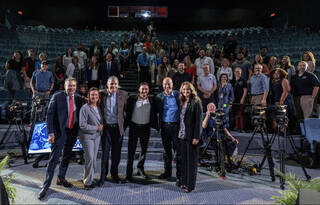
<point x="121" y="103"/>
<point x="160" y="102"/>
<point x="103" y="74"/>
<point x="193" y="120"/>
<point x="57" y="114"/>
<point x="89" y="121"/>
<point x="153" y="113"/>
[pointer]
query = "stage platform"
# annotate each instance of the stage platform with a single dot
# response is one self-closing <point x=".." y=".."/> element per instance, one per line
<point x="237" y="188"/>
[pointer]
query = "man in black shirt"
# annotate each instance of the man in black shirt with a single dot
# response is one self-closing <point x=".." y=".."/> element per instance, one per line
<point x="240" y="90"/>
<point x="180" y="76"/>
<point x="306" y="86"/>
<point x="229" y="46"/>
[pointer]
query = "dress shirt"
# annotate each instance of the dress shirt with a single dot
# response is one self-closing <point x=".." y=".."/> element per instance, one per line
<point x="259" y="84"/>
<point x="111" y="110"/>
<point x="170" y="109"/>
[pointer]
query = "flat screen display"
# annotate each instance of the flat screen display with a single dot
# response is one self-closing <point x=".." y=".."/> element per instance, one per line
<point x="40" y="140"/>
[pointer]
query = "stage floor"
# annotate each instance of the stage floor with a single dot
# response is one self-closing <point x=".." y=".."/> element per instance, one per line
<point x="237" y="188"/>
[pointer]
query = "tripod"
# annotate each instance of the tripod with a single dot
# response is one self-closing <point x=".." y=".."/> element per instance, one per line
<point x="20" y="133"/>
<point x="282" y="147"/>
<point x="260" y="127"/>
<point x="219" y="139"/>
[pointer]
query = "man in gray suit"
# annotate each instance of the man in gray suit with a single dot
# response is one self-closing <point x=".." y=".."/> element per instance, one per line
<point x="113" y="102"/>
<point x="91" y="126"/>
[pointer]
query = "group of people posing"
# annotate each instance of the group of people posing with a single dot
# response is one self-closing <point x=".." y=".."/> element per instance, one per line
<point x="103" y="120"/>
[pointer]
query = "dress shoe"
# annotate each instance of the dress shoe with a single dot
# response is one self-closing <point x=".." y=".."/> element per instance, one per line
<point x="165" y="175"/>
<point x="42" y="193"/>
<point x="141" y="172"/>
<point x="178" y="183"/>
<point x="116" y="180"/>
<point x="64" y="183"/>
<point x="100" y="182"/>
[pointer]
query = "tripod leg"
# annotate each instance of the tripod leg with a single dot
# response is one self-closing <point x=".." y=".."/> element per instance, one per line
<point x="245" y="151"/>
<point x="299" y="157"/>
<point x="222" y="159"/>
<point x="23" y="140"/>
<point x="5" y="134"/>
<point x="273" y="137"/>
<point x="267" y="148"/>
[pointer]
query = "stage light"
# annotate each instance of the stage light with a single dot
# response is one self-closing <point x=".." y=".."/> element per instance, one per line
<point x="273" y="14"/>
<point x="146" y="14"/>
<point x="20" y="12"/>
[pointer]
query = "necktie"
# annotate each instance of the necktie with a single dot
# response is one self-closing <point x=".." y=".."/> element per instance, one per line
<point x="71" y="107"/>
<point x="108" y="67"/>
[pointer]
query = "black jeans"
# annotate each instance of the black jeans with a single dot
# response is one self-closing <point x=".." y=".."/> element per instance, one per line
<point x="144" y="74"/>
<point x="169" y="135"/>
<point x="111" y="140"/>
<point x="135" y="132"/>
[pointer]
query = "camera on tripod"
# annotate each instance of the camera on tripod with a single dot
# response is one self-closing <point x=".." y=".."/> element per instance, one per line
<point x="281" y="114"/>
<point x="38" y="101"/>
<point x="219" y="116"/>
<point x="15" y="109"/>
<point x="258" y="115"/>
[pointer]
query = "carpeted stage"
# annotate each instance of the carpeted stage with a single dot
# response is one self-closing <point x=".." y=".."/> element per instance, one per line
<point x="237" y="188"/>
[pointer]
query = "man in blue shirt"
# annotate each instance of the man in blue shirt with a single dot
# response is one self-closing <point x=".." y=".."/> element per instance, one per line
<point x="41" y="84"/>
<point x="168" y="107"/>
<point x="259" y="86"/>
<point x="143" y="64"/>
<point x="42" y="81"/>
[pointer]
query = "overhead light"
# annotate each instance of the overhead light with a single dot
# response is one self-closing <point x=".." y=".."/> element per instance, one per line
<point x="146" y="14"/>
<point x="273" y="14"/>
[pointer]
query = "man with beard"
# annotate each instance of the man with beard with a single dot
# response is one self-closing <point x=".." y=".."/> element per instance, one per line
<point x="241" y="62"/>
<point x="140" y="117"/>
<point x="199" y="62"/>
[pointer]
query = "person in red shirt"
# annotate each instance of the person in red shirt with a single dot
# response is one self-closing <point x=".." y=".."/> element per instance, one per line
<point x="148" y="43"/>
<point x="190" y="67"/>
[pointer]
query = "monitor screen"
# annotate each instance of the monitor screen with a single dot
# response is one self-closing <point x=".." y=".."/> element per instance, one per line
<point x="39" y="141"/>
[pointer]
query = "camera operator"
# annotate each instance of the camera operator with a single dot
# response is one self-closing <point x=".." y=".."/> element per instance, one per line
<point x="209" y="124"/>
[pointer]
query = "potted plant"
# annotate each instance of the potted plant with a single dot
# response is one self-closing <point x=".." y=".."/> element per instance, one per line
<point x="7" y="180"/>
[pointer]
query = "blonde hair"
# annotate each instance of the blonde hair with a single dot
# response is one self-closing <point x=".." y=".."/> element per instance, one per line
<point x="193" y="95"/>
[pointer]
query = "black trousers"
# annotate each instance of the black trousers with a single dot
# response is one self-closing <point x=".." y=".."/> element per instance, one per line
<point x="144" y="74"/>
<point x="111" y="140"/>
<point x="63" y="144"/>
<point x="135" y="132"/>
<point x="189" y="160"/>
<point x="169" y="135"/>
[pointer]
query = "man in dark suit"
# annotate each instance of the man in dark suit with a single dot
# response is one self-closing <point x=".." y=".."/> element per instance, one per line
<point x="113" y="102"/>
<point x="96" y="50"/>
<point x="62" y="128"/>
<point x="168" y="107"/>
<point x="140" y="116"/>
<point x="108" y="68"/>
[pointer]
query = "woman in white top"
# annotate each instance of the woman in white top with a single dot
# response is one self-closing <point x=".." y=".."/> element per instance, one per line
<point x="67" y="58"/>
<point x="225" y="69"/>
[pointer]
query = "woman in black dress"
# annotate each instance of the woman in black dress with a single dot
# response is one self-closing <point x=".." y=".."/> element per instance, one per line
<point x="280" y="89"/>
<point x="189" y="135"/>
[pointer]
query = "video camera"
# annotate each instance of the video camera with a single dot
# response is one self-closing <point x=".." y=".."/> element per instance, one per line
<point x="258" y="114"/>
<point x="15" y="110"/>
<point x="37" y="101"/>
<point x="219" y="116"/>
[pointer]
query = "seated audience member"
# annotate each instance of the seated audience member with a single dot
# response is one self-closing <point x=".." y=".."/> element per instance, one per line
<point x="207" y="84"/>
<point x="209" y="131"/>
<point x="180" y="76"/>
<point x="259" y="86"/>
<point x="306" y="86"/>
<point x="225" y="69"/>
<point x="240" y="90"/>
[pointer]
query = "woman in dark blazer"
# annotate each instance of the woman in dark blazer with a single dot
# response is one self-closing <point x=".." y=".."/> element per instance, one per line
<point x="91" y="126"/>
<point x="189" y="135"/>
